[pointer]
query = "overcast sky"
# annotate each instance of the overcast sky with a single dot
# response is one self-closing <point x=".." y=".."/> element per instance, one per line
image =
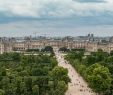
<point x="56" y="17"/>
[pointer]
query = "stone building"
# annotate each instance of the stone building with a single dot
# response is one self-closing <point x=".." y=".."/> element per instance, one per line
<point x="11" y="45"/>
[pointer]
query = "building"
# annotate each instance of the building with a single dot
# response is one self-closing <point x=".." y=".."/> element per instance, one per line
<point x="22" y="44"/>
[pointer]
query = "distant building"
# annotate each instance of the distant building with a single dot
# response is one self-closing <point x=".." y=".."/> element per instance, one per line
<point x="89" y="43"/>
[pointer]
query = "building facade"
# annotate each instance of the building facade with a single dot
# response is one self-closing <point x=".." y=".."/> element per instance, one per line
<point x="12" y="45"/>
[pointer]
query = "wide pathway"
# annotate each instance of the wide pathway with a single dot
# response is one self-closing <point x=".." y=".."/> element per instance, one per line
<point x="77" y="86"/>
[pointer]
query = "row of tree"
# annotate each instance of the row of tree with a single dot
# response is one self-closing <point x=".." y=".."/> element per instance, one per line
<point x="45" y="49"/>
<point x="31" y="75"/>
<point x="96" y="69"/>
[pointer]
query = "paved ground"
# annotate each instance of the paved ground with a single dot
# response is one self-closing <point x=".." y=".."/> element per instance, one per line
<point x="77" y="86"/>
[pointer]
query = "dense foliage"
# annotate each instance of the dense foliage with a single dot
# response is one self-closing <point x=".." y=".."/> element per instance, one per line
<point x="64" y="49"/>
<point x="96" y="68"/>
<point x="32" y="50"/>
<point x="47" y="49"/>
<point x="31" y="75"/>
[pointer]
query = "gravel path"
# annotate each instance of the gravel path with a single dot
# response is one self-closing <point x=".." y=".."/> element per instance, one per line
<point x="77" y="86"/>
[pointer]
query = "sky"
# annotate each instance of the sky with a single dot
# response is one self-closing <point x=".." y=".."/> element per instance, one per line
<point x="56" y="17"/>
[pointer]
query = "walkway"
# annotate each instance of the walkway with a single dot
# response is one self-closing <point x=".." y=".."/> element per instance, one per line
<point x="77" y="86"/>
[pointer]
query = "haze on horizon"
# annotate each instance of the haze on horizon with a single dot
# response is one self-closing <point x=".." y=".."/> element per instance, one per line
<point x="56" y="17"/>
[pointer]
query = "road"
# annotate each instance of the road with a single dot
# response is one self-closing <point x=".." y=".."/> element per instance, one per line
<point x="77" y="86"/>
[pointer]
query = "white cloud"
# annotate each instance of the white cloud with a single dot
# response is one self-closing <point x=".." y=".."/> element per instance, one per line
<point x="54" y="8"/>
<point x="26" y="29"/>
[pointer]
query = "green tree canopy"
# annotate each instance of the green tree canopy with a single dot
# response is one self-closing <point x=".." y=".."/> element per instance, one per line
<point x="99" y="77"/>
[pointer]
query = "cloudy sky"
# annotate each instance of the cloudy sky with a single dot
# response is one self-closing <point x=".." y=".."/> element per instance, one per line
<point x="56" y="17"/>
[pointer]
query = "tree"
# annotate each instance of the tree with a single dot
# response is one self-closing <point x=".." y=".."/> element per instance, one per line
<point x="47" y="49"/>
<point x="28" y="83"/>
<point x="5" y="83"/>
<point x="100" y="55"/>
<point x="64" y="49"/>
<point x="24" y="60"/>
<point x="23" y="89"/>
<point x="3" y="71"/>
<point x="30" y="75"/>
<point x="35" y="90"/>
<point x="32" y="50"/>
<point x="100" y="50"/>
<point x="16" y="56"/>
<point x="62" y="86"/>
<point x="111" y="53"/>
<point x="58" y="73"/>
<point x="90" y="59"/>
<point x="99" y="77"/>
<point x="53" y="62"/>
<point x="2" y="92"/>
<point x="37" y="72"/>
<point x="23" y="73"/>
<point x="76" y="55"/>
<point x="109" y="59"/>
